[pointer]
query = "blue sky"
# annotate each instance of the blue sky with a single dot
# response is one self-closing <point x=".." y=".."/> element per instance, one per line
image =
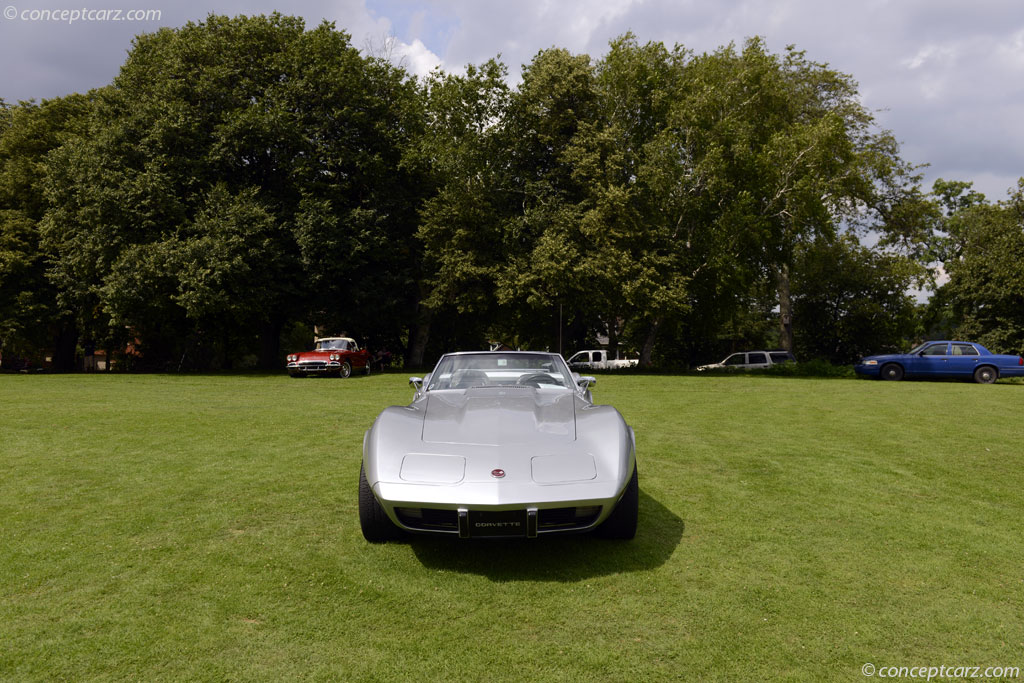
<point x="947" y="77"/>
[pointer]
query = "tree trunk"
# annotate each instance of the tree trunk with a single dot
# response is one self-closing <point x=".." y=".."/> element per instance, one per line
<point x="270" y="345"/>
<point x="785" y="308"/>
<point x="648" y="348"/>
<point x="613" y="337"/>
<point x="419" y="334"/>
<point x="65" y="346"/>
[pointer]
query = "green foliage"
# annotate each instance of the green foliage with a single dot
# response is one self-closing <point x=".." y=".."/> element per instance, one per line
<point x="29" y="315"/>
<point x="816" y="367"/>
<point x="238" y="172"/>
<point x="851" y="301"/>
<point x="243" y="175"/>
<point x="985" y="263"/>
<point x="458" y="222"/>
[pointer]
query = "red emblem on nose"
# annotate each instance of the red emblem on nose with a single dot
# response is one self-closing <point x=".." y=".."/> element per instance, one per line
<point x="498" y="474"/>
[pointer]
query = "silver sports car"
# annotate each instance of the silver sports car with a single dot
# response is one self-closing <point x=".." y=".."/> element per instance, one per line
<point x="499" y="444"/>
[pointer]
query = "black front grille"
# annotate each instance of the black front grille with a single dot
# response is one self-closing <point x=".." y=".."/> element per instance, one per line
<point x="313" y="364"/>
<point x="552" y="519"/>
<point x="566" y="518"/>
<point x="428" y="519"/>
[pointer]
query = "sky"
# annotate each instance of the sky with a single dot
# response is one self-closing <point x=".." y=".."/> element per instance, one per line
<point x="947" y="77"/>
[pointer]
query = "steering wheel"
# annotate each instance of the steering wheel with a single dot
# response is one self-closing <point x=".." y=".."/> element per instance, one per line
<point x="536" y="379"/>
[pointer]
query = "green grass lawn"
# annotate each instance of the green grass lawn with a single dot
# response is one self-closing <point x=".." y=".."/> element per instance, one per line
<point x="180" y="527"/>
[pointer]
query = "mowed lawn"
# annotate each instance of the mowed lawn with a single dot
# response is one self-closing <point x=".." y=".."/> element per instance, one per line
<point x="205" y="527"/>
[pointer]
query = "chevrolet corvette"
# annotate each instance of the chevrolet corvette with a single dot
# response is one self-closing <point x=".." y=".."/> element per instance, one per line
<point x="499" y="445"/>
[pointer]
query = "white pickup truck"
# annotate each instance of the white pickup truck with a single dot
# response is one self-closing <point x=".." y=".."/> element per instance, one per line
<point x="597" y="359"/>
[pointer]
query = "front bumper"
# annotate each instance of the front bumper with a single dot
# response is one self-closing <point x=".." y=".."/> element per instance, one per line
<point x="314" y="367"/>
<point x="527" y="522"/>
<point x="487" y="511"/>
<point x="865" y="370"/>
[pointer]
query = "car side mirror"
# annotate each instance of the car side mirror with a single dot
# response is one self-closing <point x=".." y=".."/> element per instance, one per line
<point x="420" y="383"/>
<point x="585" y="382"/>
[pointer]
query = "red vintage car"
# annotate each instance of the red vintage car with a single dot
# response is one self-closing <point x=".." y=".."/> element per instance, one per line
<point x="333" y="356"/>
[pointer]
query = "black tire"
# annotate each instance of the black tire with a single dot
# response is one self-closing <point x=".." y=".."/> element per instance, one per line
<point x="367" y="370"/>
<point x="986" y="374"/>
<point x="376" y="526"/>
<point x="621" y="524"/>
<point x="891" y="372"/>
<point x="346" y="370"/>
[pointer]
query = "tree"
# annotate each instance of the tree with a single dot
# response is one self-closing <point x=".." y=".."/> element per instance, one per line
<point x="800" y="152"/>
<point x="540" y="194"/>
<point x="851" y="301"/>
<point x="29" y="317"/>
<point x="593" y="233"/>
<point x="985" y="263"/>
<point x="239" y="172"/>
<point x="459" y="219"/>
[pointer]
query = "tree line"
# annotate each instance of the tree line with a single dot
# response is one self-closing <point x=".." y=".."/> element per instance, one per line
<point x="244" y="180"/>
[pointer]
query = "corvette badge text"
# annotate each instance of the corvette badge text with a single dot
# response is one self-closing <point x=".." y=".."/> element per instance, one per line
<point x="71" y="16"/>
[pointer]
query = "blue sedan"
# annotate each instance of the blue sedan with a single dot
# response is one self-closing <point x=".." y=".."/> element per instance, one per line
<point x="941" y="359"/>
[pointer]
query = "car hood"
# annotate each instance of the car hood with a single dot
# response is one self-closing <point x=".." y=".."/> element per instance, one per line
<point x="493" y="416"/>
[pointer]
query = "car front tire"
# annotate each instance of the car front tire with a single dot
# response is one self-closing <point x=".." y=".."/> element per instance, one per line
<point x="346" y="370"/>
<point x="621" y="524"/>
<point x="985" y="375"/>
<point x="892" y="372"/>
<point x="376" y="526"/>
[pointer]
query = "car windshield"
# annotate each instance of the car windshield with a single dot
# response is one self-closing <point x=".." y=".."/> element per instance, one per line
<point x="465" y="370"/>
<point x="918" y="348"/>
<point x="332" y="345"/>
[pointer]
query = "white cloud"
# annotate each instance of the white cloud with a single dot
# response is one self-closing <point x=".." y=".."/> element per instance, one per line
<point x="418" y="59"/>
<point x="1011" y="52"/>
<point x="932" y="55"/>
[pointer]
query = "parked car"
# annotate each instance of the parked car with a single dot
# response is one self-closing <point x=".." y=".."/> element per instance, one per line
<point x="597" y="359"/>
<point x="750" y="360"/>
<point x="331" y="356"/>
<point x="943" y="359"/>
<point x="499" y="444"/>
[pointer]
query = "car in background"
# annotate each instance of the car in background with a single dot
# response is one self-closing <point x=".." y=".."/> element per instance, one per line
<point x="750" y="360"/>
<point x="499" y="444"/>
<point x="941" y="360"/>
<point x="597" y="359"/>
<point x="331" y="357"/>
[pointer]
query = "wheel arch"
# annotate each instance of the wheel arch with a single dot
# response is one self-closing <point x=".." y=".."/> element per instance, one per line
<point x="992" y="366"/>
<point x="898" y="364"/>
